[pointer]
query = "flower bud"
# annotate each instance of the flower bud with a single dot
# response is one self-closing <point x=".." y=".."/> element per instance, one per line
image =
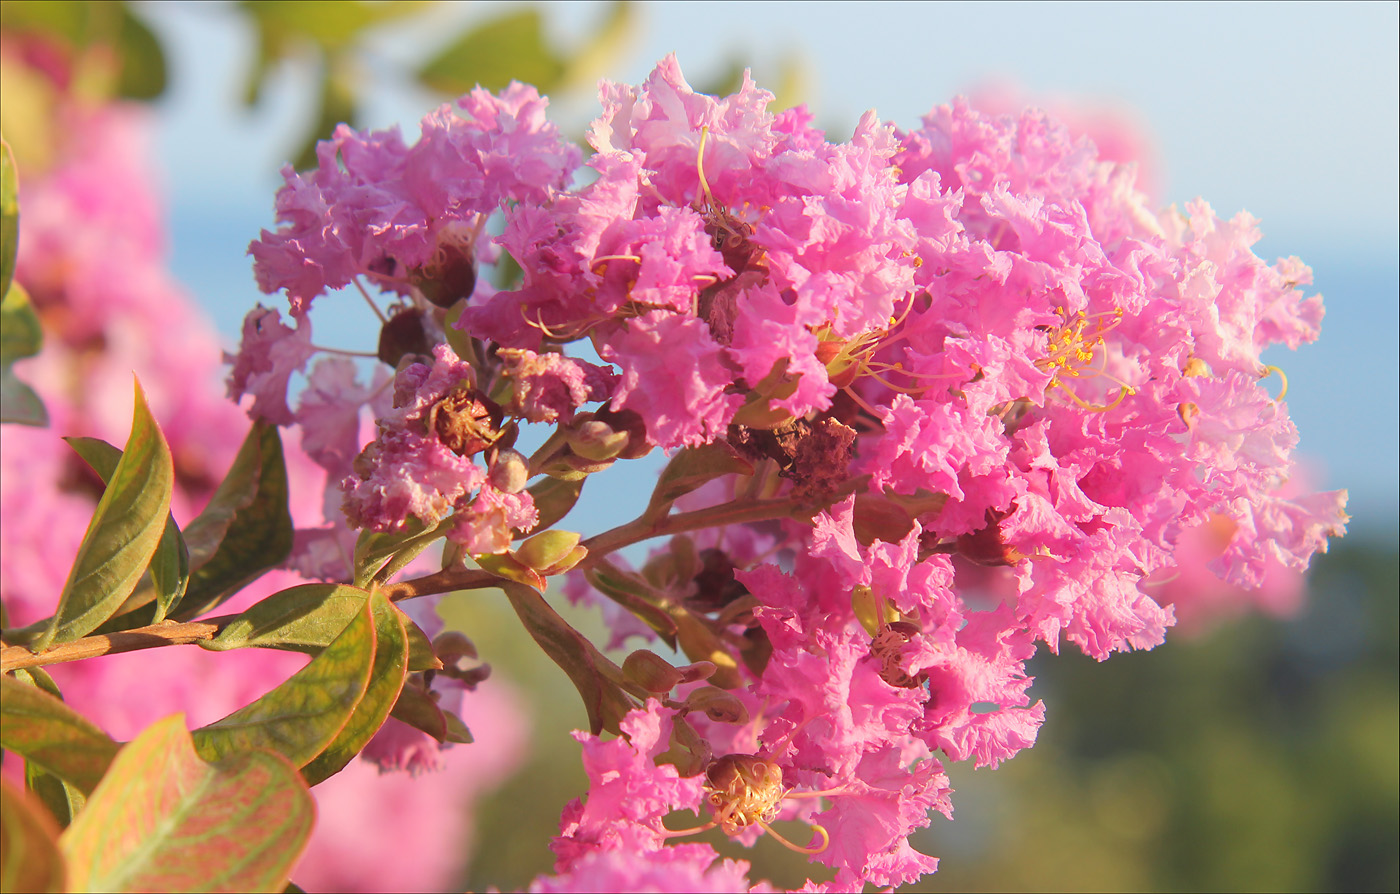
<point x="403" y="334"/>
<point x="718" y="705"/>
<point x="452" y="646"/>
<point x="650" y="671"/>
<point x="576" y="555"/>
<point x="509" y="471"/>
<point x="629" y="421"/>
<point x="596" y="440"/>
<point x="547" y="548"/>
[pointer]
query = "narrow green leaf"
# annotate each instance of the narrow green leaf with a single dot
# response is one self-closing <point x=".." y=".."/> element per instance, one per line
<point x="62" y="799"/>
<point x="245" y="530"/>
<point x="302" y="716"/>
<point x="632" y="592"/>
<point x="306" y="618"/>
<point x="29" y="856"/>
<point x="554" y="499"/>
<point x="44" y="730"/>
<point x="506" y="48"/>
<point x="123" y="535"/>
<point x="165" y="820"/>
<point x="457" y="732"/>
<point x="386" y="680"/>
<point x="418" y="709"/>
<point x="593" y="675"/>
<point x="693" y="467"/>
<point x="170" y="567"/>
<point x="378" y="554"/>
<point x="9" y="216"/>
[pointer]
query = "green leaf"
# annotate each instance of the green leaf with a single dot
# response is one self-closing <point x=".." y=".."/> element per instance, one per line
<point x="554" y="499"/>
<point x="142" y="74"/>
<point x="385" y="681"/>
<point x="62" y="799"/>
<point x="417" y="708"/>
<point x="29" y="856"/>
<point x="9" y="224"/>
<point x="691" y="468"/>
<point x="20" y="336"/>
<point x="633" y="593"/>
<point x="510" y="47"/>
<point x="165" y="820"/>
<point x="379" y="554"/>
<point x="302" y="716"/>
<point x="170" y="567"/>
<point x="594" y="676"/>
<point x="123" y="535"/>
<point x="245" y="530"/>
<point x="44" y="730"/>
<point x="307" y="618"/>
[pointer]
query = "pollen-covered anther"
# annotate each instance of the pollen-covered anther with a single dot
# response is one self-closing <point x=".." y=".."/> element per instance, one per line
<point x="744" y="790"/>
<point x="1071" y="349"/>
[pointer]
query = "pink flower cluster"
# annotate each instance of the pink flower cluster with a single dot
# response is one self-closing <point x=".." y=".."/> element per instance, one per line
<point x="1005" y="387"/>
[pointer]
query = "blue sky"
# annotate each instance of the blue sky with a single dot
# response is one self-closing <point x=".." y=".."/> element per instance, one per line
<point x="1288" y="111"/>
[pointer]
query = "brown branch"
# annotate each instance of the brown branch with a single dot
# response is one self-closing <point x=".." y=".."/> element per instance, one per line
<point x="167" y="633"/>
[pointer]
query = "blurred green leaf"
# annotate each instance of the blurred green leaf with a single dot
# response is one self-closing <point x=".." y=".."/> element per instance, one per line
<point x="20" y="336"/>
<point x="29" y="856"/>
<point x="170" y="567"/>
<point x="507" y="48"/>
<point x="385" y="682"/>
<point x="122" y="537"/>
<point x="142" y="73"/>
<point x="42" y="729"/>
<point x="165" y="820"/>
<point x="302" y="716"/>
<point x="245" y="530"/>
<point x="9" y="232"/>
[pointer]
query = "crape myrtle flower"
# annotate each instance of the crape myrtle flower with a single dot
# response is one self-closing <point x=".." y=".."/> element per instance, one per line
<point x="971" y="345"/>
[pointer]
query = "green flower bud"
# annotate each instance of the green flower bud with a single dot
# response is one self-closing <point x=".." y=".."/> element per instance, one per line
<point x="546" y="549"/>
<point x="596" y="440"/>
<point x="650" y="671"/>
<point x="718" y="705"/>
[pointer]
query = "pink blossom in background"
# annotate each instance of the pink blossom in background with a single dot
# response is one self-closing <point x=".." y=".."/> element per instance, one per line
<point x="92" y="255"/>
